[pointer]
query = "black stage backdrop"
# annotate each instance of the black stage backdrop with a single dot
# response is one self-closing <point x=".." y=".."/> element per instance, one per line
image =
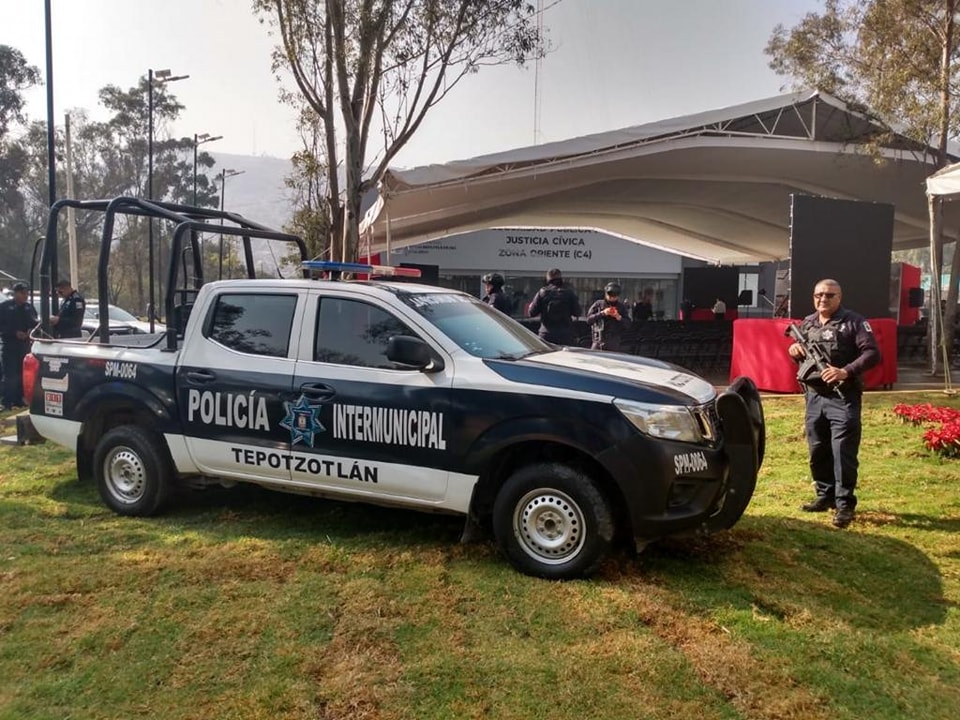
<point x="703" y="285"/>
<point x="846" y="240"/>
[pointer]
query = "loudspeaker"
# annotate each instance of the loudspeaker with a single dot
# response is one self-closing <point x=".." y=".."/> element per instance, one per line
<point x="915" y="297"/>
<point x="745" y="297"/>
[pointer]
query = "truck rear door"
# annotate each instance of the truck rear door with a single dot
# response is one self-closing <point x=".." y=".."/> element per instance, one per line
<point x="235" y="376"/>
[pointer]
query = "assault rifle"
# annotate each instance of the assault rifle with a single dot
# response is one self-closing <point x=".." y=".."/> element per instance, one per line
<point x="815" y="360"/>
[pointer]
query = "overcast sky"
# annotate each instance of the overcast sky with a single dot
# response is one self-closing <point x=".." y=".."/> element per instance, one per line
<point x="615" y="63"/>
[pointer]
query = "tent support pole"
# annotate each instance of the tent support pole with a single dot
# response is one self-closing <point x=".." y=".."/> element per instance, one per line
<point x="387" y="250"/>
<point x="935" y="326"/>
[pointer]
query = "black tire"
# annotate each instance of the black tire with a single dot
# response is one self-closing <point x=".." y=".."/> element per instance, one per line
<point x="552" y="521"/>
<point x="132" y="470"/>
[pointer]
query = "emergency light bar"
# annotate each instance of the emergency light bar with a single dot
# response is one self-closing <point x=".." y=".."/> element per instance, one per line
<point x="336" y="268"/>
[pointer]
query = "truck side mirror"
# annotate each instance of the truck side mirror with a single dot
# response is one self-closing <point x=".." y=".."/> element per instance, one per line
<point x="413" y="352"/>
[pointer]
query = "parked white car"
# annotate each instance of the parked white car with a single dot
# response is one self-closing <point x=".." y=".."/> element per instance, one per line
<point x="121" y="321"/>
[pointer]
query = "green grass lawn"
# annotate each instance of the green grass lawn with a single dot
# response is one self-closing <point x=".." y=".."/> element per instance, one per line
<point x="250" y="604"/>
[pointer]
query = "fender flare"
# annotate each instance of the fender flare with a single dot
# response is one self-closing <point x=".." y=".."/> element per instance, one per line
<point x="127" y="393"/>
<point x="575" y="435"/>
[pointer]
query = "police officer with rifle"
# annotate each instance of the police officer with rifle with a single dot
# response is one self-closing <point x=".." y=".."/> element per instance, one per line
<point x="834" y="347"/>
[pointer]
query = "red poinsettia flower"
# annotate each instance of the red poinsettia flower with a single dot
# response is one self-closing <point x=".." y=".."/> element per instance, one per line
<point x="944" y="436"/>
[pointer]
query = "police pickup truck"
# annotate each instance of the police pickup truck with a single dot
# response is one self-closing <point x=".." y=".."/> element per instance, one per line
<point x="407" y="395"/>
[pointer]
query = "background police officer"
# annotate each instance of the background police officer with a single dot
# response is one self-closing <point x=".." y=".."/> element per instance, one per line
<point x="832" y="422"/>
<point x="493" y="287"/>
<point x="556" y="306"/>
<point x="66" y="323"/>
<point x="17" y="318"/>
<point x="608" y="319"/>
<point x="642" y="309"/>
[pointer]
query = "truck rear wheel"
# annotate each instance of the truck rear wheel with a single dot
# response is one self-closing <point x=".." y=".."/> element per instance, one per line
<point x="552" y="521"/>
<point x="132" y="471"/>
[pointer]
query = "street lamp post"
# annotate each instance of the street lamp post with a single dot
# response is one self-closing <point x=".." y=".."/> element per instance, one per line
<point x="224" y="174"/>
<point x="199" y="140"/>
<point x="162" y="76"/>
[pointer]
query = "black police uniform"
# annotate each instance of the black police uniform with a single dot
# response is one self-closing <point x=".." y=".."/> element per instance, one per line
<point x="606" y="331"/>
<point x="71" y="316"/>
<point x="14" y="318"/>
<point x="556" y="306"/>
<point x="498" y="300"/>
<point x="832" y="423"/>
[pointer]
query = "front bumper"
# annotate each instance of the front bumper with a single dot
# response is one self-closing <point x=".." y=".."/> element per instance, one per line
<point x="744" y="437"/>
<point x="675" y="488"/>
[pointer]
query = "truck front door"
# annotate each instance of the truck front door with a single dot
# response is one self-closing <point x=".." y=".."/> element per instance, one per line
<point x="361" y="423"/>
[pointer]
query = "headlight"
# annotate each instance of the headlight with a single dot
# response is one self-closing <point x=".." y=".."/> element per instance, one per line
<point x="661" y="421"/>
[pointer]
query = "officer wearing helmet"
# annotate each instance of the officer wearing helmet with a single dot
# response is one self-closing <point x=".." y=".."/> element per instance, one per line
<point x="493" y="287"/>
<point x="608" y="319"/>
<point x="556" y="305"/>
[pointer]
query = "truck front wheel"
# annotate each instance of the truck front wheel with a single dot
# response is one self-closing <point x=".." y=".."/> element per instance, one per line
<point x="552" y="521"/>
<point x="132" y="471"/>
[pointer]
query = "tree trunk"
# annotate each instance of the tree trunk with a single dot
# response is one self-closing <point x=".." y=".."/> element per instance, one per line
<point x="336" y="229"/>
<point x="351" y="241"/>
<point x="351" y="202"/>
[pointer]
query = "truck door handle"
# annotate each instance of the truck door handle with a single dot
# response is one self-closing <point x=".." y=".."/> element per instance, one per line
<point x="201" y="376"/>
<point x="317" y="391"/>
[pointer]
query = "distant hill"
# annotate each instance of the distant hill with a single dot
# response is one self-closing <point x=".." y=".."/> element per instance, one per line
<point x="259" y="193"/>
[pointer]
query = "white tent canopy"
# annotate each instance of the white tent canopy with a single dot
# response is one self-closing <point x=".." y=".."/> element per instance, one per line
<point x="714" y="185"/>
<point x="943" y="186"/>
<point x="945" y="183"/>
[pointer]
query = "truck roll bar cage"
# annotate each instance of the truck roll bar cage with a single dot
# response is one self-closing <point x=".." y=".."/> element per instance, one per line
<point x="188" y="218"/>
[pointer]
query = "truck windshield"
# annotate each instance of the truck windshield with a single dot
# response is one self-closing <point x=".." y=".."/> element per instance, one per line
<point x="476" y="327"/>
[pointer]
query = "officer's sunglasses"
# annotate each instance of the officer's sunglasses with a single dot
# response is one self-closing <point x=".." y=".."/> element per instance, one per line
<point x="828" y="296"/>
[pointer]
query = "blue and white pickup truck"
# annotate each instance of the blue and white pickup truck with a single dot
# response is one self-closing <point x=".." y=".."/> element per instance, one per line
<point x="408" y="395"/>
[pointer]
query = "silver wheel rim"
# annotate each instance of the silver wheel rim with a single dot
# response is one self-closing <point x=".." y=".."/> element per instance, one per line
<point x="125" y="474"/>
<point x="549" y="526"/>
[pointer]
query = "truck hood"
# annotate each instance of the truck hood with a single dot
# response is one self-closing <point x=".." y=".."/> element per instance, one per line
<point x="626" y="376"/>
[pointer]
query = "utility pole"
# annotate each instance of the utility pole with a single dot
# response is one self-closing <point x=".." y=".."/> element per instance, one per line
<point x="199" y="140"/>
<point x="224" y="174"/>
<point x="71" y="212"/>
<point x="162" y="76"/>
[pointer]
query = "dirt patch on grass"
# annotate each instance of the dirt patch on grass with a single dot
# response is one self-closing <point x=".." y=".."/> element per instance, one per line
<point x="358" y="671"/>
<point x="754" y="686"/>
